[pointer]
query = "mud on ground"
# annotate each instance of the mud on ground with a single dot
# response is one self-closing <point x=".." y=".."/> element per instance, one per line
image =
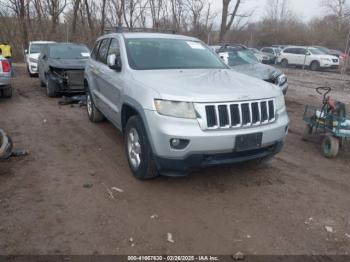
<point x="59" y="199"/>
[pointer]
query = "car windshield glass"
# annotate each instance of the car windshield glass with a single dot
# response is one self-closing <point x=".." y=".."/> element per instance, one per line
<point x="36" y="48"/>
<point x="69" y="52"/>
<point x="316" y="52"/>
<point x="156" y="53"/>
<point x="241" y="57"/>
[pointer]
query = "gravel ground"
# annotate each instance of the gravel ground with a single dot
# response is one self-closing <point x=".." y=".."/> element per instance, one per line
<point x="59" y="199"/>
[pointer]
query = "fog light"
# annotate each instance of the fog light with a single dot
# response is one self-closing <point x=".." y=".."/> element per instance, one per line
<point x="175" y="142"/>
<point x="179" y="144"/>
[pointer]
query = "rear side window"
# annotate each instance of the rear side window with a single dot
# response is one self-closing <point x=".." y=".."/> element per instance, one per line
<point x="95" y="50"/>
<point x="103" y="50"/>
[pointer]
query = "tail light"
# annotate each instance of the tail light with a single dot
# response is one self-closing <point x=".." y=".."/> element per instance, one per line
<point x="5" y="66"/>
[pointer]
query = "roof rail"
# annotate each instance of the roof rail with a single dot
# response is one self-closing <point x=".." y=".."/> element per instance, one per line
<point x="121" y="29"/>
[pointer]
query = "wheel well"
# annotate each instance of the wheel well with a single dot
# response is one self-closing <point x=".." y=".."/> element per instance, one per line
<point x="314" y="61"/>
<point x="127" y="112"/>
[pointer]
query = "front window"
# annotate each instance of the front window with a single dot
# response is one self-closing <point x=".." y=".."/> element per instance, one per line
<point x="158" y="53"/>
<point x="241" y="57"/>
<point x="36" y="48"/>
<point x="69" y="52"/>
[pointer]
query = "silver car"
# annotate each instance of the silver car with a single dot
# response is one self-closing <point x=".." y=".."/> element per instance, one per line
<point x="5" y="78"/>
<point x="179" y="106"/>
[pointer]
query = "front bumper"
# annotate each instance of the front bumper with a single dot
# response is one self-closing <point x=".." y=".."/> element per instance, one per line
<point x="66" y="86"/>
<point x="329" y="65"/>
<point x="33" y="68"/>
<point x="202" y="144"/>
<point x="284" y="88"/>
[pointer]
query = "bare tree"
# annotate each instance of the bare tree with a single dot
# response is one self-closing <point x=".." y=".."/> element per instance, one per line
<point x="337" y="8"/>
<point x="228" y="17"/>
<point x="55" y="9"/>
<point x="76" y="6"/>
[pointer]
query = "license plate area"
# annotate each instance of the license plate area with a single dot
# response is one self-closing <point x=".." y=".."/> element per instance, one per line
<point x="248" y="142"/>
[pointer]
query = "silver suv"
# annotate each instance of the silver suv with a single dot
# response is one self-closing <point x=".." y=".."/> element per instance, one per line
<point x="179" y="106"/>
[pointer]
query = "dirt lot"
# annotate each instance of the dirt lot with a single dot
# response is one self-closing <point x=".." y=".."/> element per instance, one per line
<point x="281" y="208"/>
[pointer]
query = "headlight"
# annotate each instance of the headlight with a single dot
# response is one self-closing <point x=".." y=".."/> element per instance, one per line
<point x="175" y="109"/>
<point x="280" y="102"/>
<point x="325" y="59"/>
<point x="281" y="79"/>
<point x="33" y="60"/>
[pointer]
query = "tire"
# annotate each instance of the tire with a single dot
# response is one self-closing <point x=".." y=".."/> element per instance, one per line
<point x="94" y="114"/>
<point x="307" y="132"/>
<point x="6" y="145"/>
<point x="330" y="146"/>
<point x="138" y="150"/>
<point x="284" y="63"/>
<point x="7" y="92"/>
<point x="315" y="66"/>
<point x="51" y="87"/>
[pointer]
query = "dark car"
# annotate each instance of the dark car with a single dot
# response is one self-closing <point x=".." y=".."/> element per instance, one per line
<point x="61" y="68"/>
<point x="242" y="60"/>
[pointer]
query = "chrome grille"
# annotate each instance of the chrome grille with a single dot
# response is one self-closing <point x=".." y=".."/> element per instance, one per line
<point x="236" y="115"/>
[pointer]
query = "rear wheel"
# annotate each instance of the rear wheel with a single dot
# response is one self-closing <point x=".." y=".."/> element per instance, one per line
<point x="7" y="92"/>
<point x="138" y="150"/>
<point x="330" y="146"/>
<point x="94" y="114"/>
<point x="315" y="66"/>
<point x="284" y="63"/>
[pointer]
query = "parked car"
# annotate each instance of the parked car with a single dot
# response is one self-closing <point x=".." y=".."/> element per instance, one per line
<point x="242" y="60"/>
<point x="273" y="52"/>
<point x="341" y="55"/>
<point x="307" y="56"/>
<point x="215" y="48"/>
<point x="263" y="58"/>
<point x="179" y="106"/>
<point x="5" y="78"/>
<point x="61" y="68"/>
<point x="32" y="56"/>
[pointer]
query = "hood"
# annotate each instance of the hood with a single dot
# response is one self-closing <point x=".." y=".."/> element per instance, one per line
<point x="205" y="85"/>
<point x="258" y="70"/>
<point x="67" y="63"/>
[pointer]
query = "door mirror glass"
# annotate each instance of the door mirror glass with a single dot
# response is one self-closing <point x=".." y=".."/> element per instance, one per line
<point x="114" y="62"/>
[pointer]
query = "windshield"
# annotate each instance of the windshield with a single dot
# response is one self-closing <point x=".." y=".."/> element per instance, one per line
<point x="315" y="51"/>
<point x="158" y="53"/>
<point x="36" y="48"/>
<point x="69" y="52"/>
<point x="241" y="57"/>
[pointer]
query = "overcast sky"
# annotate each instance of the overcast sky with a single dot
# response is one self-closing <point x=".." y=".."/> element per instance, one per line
<point x="305" y="9"/>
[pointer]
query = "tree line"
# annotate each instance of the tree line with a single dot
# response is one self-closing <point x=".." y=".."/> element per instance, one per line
<point x="22" y="21"/>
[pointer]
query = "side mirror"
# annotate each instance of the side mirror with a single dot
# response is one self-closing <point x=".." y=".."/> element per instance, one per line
<point x="114" y="62"/>
<point x="26" y="51"/>
<point x="307" y="53"/>
<point x="44" y="57"/>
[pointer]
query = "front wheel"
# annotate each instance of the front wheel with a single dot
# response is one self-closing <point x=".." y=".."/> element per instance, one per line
<point x="284" y="63"/>
<point x="51" y="87"/>
<point x="315" y="66"/>
<point x="138" y="150"/>
<point x="307" y="132"/>
<point x="330" y="146"/>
